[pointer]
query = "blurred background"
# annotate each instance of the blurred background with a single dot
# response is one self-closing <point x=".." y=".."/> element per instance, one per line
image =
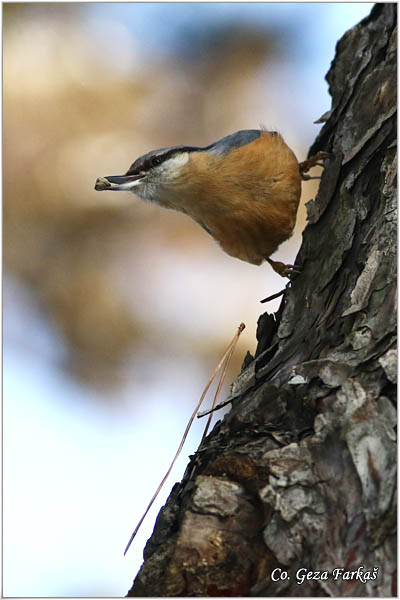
<point x="116" y="311"/>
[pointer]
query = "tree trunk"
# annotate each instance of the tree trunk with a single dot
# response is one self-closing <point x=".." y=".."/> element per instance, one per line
<point x="299" y="477"/>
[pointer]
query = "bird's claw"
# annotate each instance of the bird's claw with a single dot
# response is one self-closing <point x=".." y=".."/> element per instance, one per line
<point x="306" y="165"/>
<point x="284" y="270"/>
<point x="290" y="270"/>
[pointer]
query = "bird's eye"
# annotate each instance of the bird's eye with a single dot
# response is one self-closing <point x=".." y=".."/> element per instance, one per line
<point x="156" y="160"/>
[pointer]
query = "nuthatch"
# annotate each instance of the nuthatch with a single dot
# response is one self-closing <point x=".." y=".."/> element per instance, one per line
<point x="244" y="190"/>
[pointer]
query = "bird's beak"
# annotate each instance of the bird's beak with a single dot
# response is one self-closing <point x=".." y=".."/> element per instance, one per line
<point x="117" y="182"/>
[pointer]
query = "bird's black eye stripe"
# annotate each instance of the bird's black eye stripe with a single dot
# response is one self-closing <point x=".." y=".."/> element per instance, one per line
<point x="145" y="163"/>
<point x="156" y="160"/>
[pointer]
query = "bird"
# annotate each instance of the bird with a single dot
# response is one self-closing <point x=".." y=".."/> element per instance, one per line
<point x="243" y="190"/>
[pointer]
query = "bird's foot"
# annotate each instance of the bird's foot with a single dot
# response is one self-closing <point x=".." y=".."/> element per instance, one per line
<point x="306" y="165"/>
<point x="282" y="269"/>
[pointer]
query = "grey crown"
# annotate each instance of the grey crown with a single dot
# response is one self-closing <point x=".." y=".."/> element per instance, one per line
<point x="221" y="147"/>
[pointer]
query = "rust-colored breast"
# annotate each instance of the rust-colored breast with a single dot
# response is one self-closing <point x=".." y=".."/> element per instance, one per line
<point x="248" y="199"/>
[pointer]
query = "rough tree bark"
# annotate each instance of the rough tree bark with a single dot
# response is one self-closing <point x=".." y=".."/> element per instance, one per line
<point x="300" y="474"/>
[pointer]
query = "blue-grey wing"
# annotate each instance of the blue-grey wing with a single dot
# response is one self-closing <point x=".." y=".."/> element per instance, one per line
<point x="233" y="141"/>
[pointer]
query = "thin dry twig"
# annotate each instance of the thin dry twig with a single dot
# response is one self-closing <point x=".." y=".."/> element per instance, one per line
<point x="221" y="381"/>
<point x="277" y="294"/>
<point x="227" y="353"/>
<point x="204" y="413"/>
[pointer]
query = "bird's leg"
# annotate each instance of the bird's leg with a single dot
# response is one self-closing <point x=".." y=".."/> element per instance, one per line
<point x="282" y="269"/>
<point x="306" y="165"/>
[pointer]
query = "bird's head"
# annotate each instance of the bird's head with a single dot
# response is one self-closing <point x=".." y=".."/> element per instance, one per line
<point x="166" y="175"/>
<point x="152" y="174"/>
